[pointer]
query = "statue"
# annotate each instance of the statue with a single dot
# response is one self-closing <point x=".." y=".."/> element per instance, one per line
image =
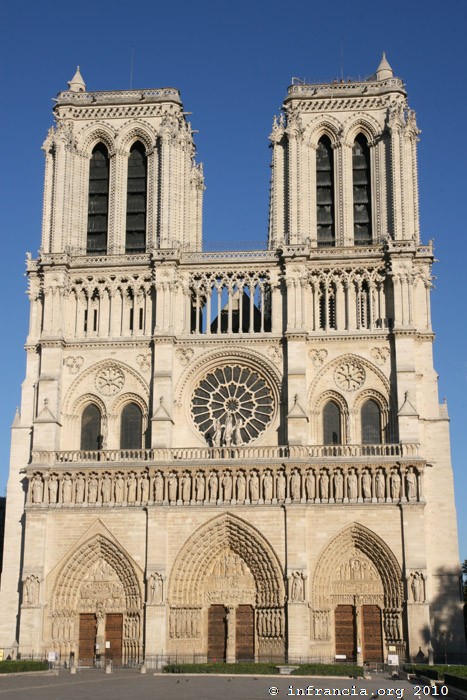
<point x="119" y="489"/>
<point x="238" y="431"/>
<point x="353" y="486"/>
<point x="380" y="485"/>
<point x="281" y="486"/>
<point x="395" y="486"/>
<point x="79" y="488"/>
<point x="158" y="487"/>
<point x="144" y="488"/>
<point x="310" y="485"/>
<point x="53" y="489"/>
<point x="131" y="488"/>
<point x="411" y="485"/>
<point x="241" y="487"/>
<point x="366" y="484"/>
<point x="173" y="487"/>
<point x="213" y="486"/>
<point x="338" y="485"/>
<point x="324" y="486"/>
<point x="92" y="489"/>
<point x="417" y="587"/>
<point x="37" y="489"/>
<point x="106" y="489"/>
<point x="217" y="434"/>
<point x="186" y="487"/>
<point x="254" y="486"/>
<point x="296" y="485"/>
<point x="156" y="589"/>
<point x="297" y="589"/>
<point x="67" y="489"/>
<point x="228" y="430"/>
<point x="227" y="486"/>
<point x="267" y="486"/>
<point x="200" y="485"/>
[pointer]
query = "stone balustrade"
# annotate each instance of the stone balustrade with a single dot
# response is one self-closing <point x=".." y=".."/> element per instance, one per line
<point x="207" y="454"/>
<point x="337" y="483"/>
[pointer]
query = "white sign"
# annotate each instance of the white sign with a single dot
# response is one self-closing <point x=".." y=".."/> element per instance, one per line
<point x="107" y="645"/>
<point x="52" y="656"/>
<point x="393" y="659"/>
<point x="341" y="657"/>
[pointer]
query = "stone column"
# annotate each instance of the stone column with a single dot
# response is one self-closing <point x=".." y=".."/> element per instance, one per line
<point x="231" y="633"/>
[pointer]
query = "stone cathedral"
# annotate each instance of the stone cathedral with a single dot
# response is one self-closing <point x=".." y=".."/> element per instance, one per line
<point x="231" y="455"/>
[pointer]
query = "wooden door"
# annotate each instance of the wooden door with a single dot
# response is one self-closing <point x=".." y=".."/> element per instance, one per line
<point x="114" y="635"/>
<point x="345" y="631"/>
<point x="372" y="634"/>
<point x="217" y="633"/>
<point x="87" y="637"/>
<point x="245" y="633"/>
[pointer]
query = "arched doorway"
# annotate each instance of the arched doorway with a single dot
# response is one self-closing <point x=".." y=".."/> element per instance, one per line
<point x="357" y="598"/>
<point x="97" y="605"/>
<point x="226" y="595"/>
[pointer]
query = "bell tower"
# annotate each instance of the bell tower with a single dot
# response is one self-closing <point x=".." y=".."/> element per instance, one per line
<point x="120" y="173"/>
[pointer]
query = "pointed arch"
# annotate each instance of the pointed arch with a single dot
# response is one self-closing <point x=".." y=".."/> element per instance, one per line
<point x="372" y="547"/>
<point x="200" y="550"/>
<point x="67" y="588"/>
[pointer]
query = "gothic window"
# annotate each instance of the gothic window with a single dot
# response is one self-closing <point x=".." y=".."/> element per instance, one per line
<point x="331" y="424"/>
<point x="327" y="306"/>
<point x="371" y="423"/>
<point x="131" y="427"/>
<point x="136" y="200"/>
<point x="363" y="302"/>
<point x="361" y="191"/>
<point x="98" y="203"/>
<point x="325" y="193"/>
<point x="91" y="438"/>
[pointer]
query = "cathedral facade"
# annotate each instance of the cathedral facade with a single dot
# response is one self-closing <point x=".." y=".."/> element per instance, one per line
<point x="231" y="455"/>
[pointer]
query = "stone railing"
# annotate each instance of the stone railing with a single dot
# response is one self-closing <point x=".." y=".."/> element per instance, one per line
<point x="333" y="483"/>
<point x="207" y="454"/>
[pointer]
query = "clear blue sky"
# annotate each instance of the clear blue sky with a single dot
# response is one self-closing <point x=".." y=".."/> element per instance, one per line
<point x="233" y="62"/>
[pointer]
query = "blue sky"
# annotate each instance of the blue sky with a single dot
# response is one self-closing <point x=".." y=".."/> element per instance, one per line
<point x="233" y="63"/>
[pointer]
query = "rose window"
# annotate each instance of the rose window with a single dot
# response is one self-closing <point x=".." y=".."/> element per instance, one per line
<point x="349" y="376"/>
<point x="232" y="405"/>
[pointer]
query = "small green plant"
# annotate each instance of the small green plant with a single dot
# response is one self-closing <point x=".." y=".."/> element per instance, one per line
<point x="22" y="666"/>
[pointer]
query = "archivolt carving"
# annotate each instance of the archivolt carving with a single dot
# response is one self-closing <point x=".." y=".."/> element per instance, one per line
<point x="329" y="368"/>
<point x="328" y="127"/>
<point x="95" y="134"/>
<point x="97" y="575"/>
<point x="364" y="124"/>
<point x="358" y="556"/>
<point x="131" y="377"/>
<point x="136" y="132"/>
<point x="248" y="551"/>
<point x="210" y="361"/>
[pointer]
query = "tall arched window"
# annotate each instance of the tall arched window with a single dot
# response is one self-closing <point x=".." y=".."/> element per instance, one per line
<point x="131" y="427"/>
<point x="371" y="423"/>
<point x="332" y="424"/>
<point x="325" y="193"/>
<point x="361" y="191"/>
<point x="91" y="438"/>
<point x="136" y="200"/>
<point x="98" y="203"/>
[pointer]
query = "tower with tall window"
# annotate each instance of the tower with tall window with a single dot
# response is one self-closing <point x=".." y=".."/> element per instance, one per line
<point x="236" y="455"/>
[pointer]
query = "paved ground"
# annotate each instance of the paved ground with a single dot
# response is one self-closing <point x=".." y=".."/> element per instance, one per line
<point x="129" y="685"/>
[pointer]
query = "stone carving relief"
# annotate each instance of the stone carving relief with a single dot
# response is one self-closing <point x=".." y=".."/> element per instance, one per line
<point x="297" y="587"/>
<point x="417" y="587"/>
<point x="102" y="589"/>
<point x="109" y="380"/>
<point x="229" y="580"/>
<point x="31" y="587"/>
<point x="156" y="589"/>
<point x="320" y="625"/>
<point x="184" y="356"/>
<point x="144" y="362"/>
<point x="338" y="483"/>
<point x="185" y="623"/>
<point x="275" y="353"/>
<point x="317" y="356"/>
<point x="74" y="363"/>
<point x="349" y="376"/>
<point x="392" y="626"/>
<point x="357" y="575"/>
<point x="380" y="355"/>
<point x="270" y="623"/>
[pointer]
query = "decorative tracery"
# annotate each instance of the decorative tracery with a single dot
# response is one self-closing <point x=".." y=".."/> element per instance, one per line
<point x="232" y="405"/>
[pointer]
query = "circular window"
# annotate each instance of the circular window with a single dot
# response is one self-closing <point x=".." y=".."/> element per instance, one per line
<point x="232" y="405"/>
